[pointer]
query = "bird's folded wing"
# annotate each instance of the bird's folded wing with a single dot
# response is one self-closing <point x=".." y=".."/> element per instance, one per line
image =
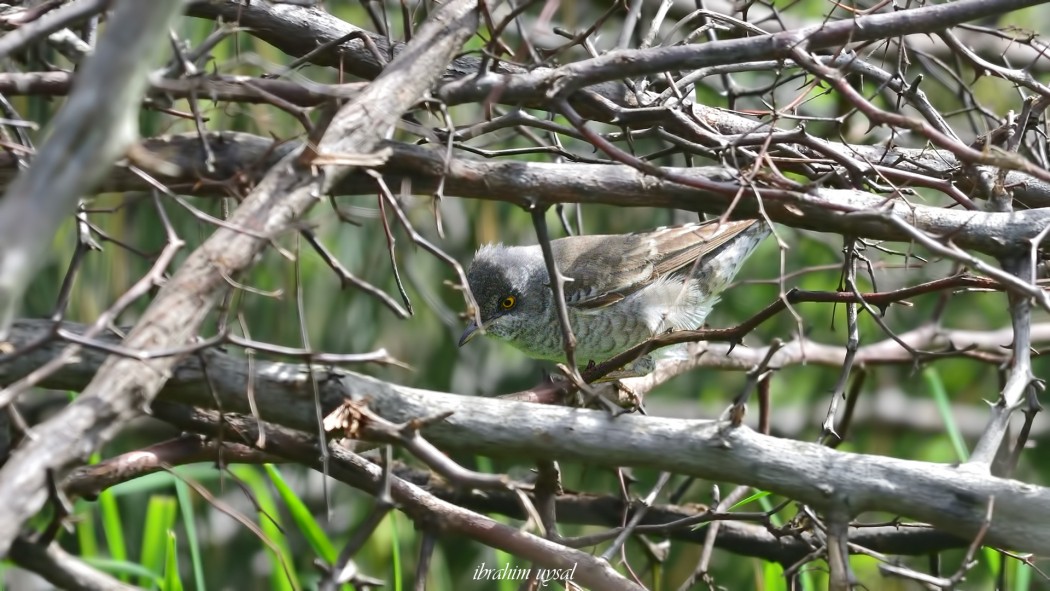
<point x="603" y="269"/>
<point x="607" y="269"/>
<point x="679" y="247"/>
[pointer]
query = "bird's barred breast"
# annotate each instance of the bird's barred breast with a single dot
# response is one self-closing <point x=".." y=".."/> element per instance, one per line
<point x="601" y="336"/>
<point x="601" y="333"/>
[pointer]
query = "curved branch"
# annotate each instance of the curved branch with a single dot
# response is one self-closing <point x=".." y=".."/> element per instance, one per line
<point x="677" y="522"/>
<point x="288" y="27"/>
<point x="62" y="569"/>
<point x="241" y="158"/>
<point x="94" y="128"/>
<point x="122" y="387"/>
<point x="422" y="506"/>
<point x="952" y="499"/>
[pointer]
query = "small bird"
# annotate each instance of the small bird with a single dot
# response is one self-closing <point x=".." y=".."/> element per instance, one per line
<point x="620" y="289"/>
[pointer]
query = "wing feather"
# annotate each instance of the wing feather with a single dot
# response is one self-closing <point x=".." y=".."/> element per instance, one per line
<point x="606" y="269"/>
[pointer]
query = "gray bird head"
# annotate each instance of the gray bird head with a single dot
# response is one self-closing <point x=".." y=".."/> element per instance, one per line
<point x="509" y="284"/>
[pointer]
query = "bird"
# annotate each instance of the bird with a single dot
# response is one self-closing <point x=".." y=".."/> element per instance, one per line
<point x="620" y="289"/>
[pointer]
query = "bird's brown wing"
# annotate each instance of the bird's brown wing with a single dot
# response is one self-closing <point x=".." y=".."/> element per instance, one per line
<point x="603" y="269"/>
<point x="606" y="269"/>
<point x="680" y="246"/>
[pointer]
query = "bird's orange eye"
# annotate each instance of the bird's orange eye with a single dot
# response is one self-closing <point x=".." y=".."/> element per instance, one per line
<point x="508" y="302"/>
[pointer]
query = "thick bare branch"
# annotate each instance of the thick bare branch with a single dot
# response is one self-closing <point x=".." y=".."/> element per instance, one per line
<point x="94" y="128"/>
<point x="422" y="506"/>
<point x="66" y="16"/>
<point x="62" y="569"/>
<point x="123" y="386"/>
<point x="244" y="156"/>
<point x="950" y="498"/>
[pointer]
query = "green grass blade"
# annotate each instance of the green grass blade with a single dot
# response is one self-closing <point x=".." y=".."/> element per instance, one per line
<point x="160" y="518"/>
<point x="1022" y="576"/>
<point x="302" y="516"/>
<point x="754" y="497"/>
<point x="395" y="550"/>
<point x="113" y="528"/>
<point x="189" y="523"/>
<point x="172" y="580"/>
<point x="87" y="534"/>
<point x="269" y="521"/>
<point x="944" y="408"/>
<point x="123" y="569"/>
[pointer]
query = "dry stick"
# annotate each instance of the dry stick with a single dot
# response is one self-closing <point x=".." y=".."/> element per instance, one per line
<point x="391" y="242"/>
<point x="537" y="84"/>
<point x="735" y="334"/>
<point x="557" y="285"/>
<point x="91" y="130"/>
<point x="90" y="481"/>
<point x="1010" y="161"/>
<point x="910" y="93"/>
<point x="796" y="469"/>
<point x="819" y="209"/>
<point x="852" y="340"/>
<point x="61" y="569"/>
<point x="629" y="23"/>
<point x="304" y="339"/>
<point x="636" y="518"/>
<point x="886" y="567"/>
<point x="288" y="28"/>
<point x="89" y="339"/>
<point x="244" y="520"/>
<point x="841" y="577"/>
<point x="141" y="287"/>
<point x="56" y="20"/>
<point x="981" y="346"/>
<point x="546" y="490"/>
<point x="859" y="377"/>
<point x="413" y="500"/>
<point x="344" y="570"/>
<point x="83" y="245"/>
<point x="249" y="390"/>
<point x="668" y="520"/>
<point x="721" y="187"/>
<point x="377" y="356"/>
<point x="760" y="372"/>
<point x="426" y="554"/>
<point x="1020" y="77"/>
<point x="819" y="547"/>
<point x="968" y="561"/>
<point x="375" y="428"/>
<point x="1020" y="373"/>
<point x="346" y="278"/>
<point x="1008" y="280"/>
<point x="764" y="406"/>
<point x="187" y="68"/>
<point x="654" y="24"/>
<point x="121" y="387"/>
<point x="702" y="565"/>
<point x="534" y="84"/>
<point x="427" y="245"/>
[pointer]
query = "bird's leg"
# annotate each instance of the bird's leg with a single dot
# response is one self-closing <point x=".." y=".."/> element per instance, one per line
<point x="642" y="366"/>
<point x="629" y="400"/>
<point x="592" y="396"/>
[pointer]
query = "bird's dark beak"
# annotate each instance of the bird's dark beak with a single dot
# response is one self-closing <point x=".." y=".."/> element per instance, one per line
<point x="472" y="329"/>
